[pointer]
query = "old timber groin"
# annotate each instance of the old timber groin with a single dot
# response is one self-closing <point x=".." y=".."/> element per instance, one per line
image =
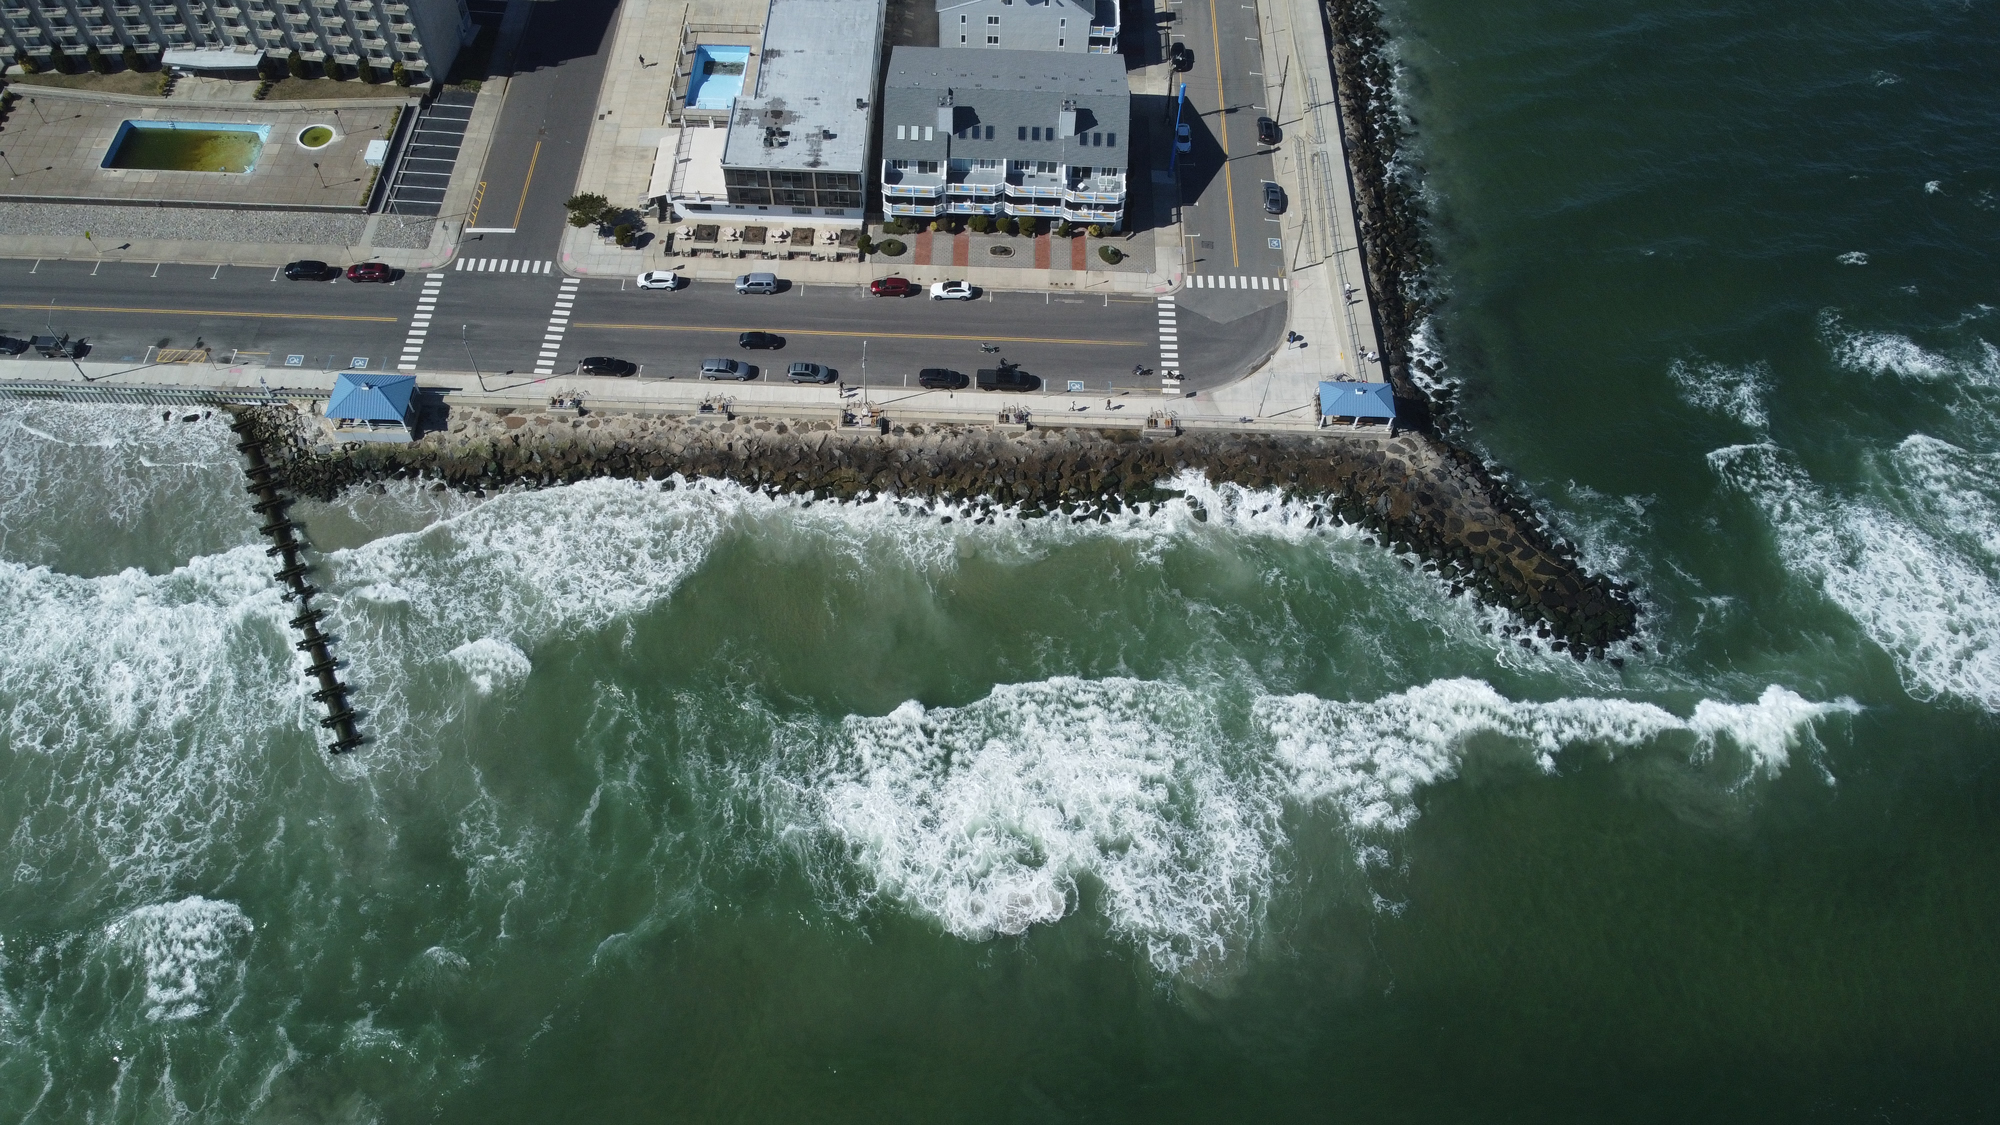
<point x="1414" y="494"/>
<point x="285" y="544"/>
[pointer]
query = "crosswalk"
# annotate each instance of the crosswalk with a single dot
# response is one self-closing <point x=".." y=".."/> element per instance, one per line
<point x="1170" y="345"/>
<point x="504" y="265"/>
<point x="1235" y="281"/>
<point x="558" y="324"/>
<point x="420" y="322"/>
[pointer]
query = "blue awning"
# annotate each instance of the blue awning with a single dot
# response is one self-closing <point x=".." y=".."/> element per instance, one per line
<point x="1357" y="400"/>
<point x="371" y="398"/>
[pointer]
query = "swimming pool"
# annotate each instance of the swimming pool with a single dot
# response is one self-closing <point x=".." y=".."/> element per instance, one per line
<point x="717" y="77"/>
<point x="186" y="146"/>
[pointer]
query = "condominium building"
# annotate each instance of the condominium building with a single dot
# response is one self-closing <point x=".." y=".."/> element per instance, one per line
<point x="795" y="141"/>
<point x="1024" y="133"/>
<point x="1078" y="26"/>
<point x="224" y="35"/>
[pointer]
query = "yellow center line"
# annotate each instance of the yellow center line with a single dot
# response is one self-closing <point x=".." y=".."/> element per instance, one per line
<point x="1222" y="136"/>
<point x="861" y="335"/>
<point x="209" y="312"/>
<point x="532" y="157"/>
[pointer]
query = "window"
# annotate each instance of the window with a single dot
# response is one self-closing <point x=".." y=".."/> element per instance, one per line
<point x="961" y="39"/>
<point x="992" y="21"/>
<point x="899" y="165"/>
<point x="927" y="132"/>
<point x="989" y="132"/>
<point x="1060" y="42"/>
<point x="1097" y="140"/>
<point x="1062" y="23"/>
<point x="993" y="40"/>
<point x="899" y="132"/>
<point x="926" y="167"/>
<point x="986" y="163"/>
<point x="1037" y="132"/>
<point x="961" y="19"/>
<point x="1023" y="134"/>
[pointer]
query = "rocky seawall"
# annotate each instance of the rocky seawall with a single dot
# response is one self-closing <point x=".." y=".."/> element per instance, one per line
<point x="1432" y="502"/>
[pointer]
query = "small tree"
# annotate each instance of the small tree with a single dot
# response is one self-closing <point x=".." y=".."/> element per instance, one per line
<point x="1097" y="230"/>
<point x="1062" y="228"/>
<point x="586" y="209"/>
<point x="1111" y="254"/>
<point x="980" y="224"/>
<point x="397" y="74"/>
<point x="295" y="63"/>
<point x="366" y="73"/>
<point x="863" y="243"/>
<point x="622" y="234"/>
<point x="29" y="65"/>
<point x="895" y="226"/>
<point x="95" y="59"/>
<point x="130" y="57"/>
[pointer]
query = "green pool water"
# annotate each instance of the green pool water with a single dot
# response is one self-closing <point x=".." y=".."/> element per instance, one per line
<point x="186" y="150"/>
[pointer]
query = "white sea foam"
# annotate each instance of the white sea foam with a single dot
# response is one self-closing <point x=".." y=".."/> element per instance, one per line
<point x="138" y="710"/>
<point x="1170" y="798"/>
<point x="1853" y="258"/>
<point x="189" y="953"/>
<point x="1932" y="187"/>
<point x="1886" y="353"/>
<point x="1936" y="612"/>
<point x="491" y="662"/>
<point x="1735" y="392"/>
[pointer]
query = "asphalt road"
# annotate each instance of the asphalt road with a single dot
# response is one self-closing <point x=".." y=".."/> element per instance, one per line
<point x="122" y="309"/>
<point x="538" y="142"/>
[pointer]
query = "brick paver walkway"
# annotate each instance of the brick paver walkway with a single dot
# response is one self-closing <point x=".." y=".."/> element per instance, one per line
<point x="1042" y="252"/>
<point x="923" y="249"/>
<point x="961" y="249"/>
<point x="1078" y="257"/>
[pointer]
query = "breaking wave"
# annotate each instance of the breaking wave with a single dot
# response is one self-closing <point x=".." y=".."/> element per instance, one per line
<point x="1733" y="392"/>
<point x="1169" y="801"/>
<point x="186" y="954"/>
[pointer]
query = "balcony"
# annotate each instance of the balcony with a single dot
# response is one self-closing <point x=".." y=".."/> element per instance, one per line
<point x="915" y="210"/>
<point x="1034" y="210"/>
<point x="968" y="187"/>
<point x="973" y="207"/>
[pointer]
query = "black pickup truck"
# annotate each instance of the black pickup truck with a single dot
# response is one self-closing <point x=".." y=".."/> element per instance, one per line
<point x="1007" y="377"/>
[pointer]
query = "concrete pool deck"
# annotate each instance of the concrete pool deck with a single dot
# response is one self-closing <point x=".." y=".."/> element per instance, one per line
<point x="54" y="149"/>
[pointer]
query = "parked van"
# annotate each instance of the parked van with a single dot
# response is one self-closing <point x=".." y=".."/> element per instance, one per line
<point x="757" y="283"/>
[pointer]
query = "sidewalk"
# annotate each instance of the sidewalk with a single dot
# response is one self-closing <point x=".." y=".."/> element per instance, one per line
<point x="1319" y="228"/>
<point x="136" y="382"/>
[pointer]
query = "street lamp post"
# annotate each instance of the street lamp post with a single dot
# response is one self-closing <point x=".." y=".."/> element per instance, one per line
<point x="10" y="166"/>
<point x="468" y="357"/>
<point x="864" y="373"/>
<point x="320" y="174"/>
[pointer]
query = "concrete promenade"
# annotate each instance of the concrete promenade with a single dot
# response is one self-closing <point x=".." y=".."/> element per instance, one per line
<point x="175" y="384"/>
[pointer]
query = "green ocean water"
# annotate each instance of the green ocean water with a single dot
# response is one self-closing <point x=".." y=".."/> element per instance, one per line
<point x="690" y="804"/>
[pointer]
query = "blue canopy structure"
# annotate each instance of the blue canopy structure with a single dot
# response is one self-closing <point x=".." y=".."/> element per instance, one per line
<point x="371" y="398"/>
<point x="1357" y="400"/>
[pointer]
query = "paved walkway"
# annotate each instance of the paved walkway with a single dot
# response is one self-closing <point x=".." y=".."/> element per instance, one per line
<point x="673" y="396"/>
<point x="1329" y="300"/>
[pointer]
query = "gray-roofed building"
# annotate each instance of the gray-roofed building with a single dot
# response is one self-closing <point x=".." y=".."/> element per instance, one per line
<point x="798" y="142"/>
<point x="1077" y="26"/>
<point x="1028" y="133"/>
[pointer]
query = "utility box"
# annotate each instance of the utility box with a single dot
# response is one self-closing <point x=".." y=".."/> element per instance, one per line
<point x="376" y="154"/>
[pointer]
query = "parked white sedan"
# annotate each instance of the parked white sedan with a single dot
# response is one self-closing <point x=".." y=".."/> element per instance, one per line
<point x="951" y="291"/>
<point x="660" y="279"/>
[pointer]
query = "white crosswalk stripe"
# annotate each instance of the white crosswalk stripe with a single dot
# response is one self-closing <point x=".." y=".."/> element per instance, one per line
<point x="505" y="265"/>
<point x="420" y="322"/>
<point x="558" y="324"/>
<point x="1170" y="348"/>
<point x="1235" y="281"/>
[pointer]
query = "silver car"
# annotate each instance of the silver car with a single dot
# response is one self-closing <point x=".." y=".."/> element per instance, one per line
<point x="811" y="373"/>
<point x="727" y="369"/>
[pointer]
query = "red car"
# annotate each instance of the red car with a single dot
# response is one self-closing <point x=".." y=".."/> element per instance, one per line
<point x="891" y="287"/>
<point x="370" y="271"/>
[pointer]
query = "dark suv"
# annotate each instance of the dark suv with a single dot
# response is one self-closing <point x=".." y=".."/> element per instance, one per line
<point x="605" y="365"/>
<point x="941" y="379"/>
<point x="309" y="270"/>
<point x="1274" y="199"/>
<point x="1267" y="131"/>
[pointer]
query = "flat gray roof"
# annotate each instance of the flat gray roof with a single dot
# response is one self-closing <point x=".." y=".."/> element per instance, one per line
<point x="815" y="84"/>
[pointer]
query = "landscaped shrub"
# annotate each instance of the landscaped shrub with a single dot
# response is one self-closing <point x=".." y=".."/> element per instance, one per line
<point x="1111" y="254"/>
<point x="1097" y="230"/>
<point x="296" y="65"/>
<point x="1062" y="228"/>
<point x="1010" y="225"/>
<point x="586" y="209"/>
<point x="863" y="243"/>
<point x="365" y="72"/>
<point x="895" y="226"/>
<point x="1031" y="226"/>
<point x="95" y="59"/>
<point x="980" y="224"/>
<point x="398" y="75"/>
<point x="891" y="247"/>
<point x="622" y="234"/>
<point x="130" y="57"/>
<point x="28" y="64"/>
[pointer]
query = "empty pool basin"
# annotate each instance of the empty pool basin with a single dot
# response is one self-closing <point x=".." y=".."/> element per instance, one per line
<point x="186" y="146"/>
